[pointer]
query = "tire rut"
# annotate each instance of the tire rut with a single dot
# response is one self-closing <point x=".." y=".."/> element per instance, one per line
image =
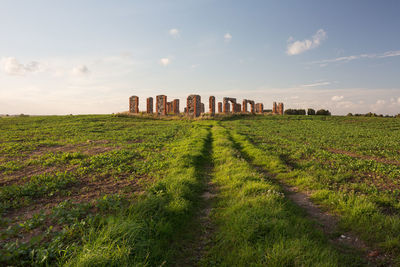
<point x="327" y="222"/>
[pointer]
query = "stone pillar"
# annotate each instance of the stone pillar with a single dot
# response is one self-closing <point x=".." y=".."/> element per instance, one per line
<point x="259" y="108"/>
<point x="175" y="106"/>
<point x="149" y="105"/>
<point x="193" y="105"/>
<point x="134" y="104"/>
<point x="280" y="108"/>
<point x="244" y="106"/>
<point x="252" y="108"/>
<point x="226" y="105"/>
<point x="211" y="104"/>
<point x="161" y="105"/>
<point x="219" y="107"/>
<point x="203" y="109"/>
<point x="274" y="108"/>
<point x="238" y="107"/>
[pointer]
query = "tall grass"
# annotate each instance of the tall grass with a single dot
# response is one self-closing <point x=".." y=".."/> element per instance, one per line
<point x="142" y="235"/>
<point x="257" y="225"/>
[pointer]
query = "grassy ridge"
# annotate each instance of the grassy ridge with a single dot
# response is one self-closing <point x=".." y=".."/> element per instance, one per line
<point x="257" y="225"/>
<point x="141" y="236"/>
<point x="358" y="213"/>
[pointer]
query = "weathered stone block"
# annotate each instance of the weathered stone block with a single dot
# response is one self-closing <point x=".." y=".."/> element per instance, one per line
<point x="193" y="105"/>
<point x="134" y="104"/>
<point x="175" y="106"/>
<point x="219" y="107"/>
<point x="161" y="105"/>
<point x="212" y="105"/>
<point x="149" y="105"/>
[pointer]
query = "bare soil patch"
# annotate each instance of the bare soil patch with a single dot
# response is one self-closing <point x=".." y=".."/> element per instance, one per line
<point x="366" y="157"/>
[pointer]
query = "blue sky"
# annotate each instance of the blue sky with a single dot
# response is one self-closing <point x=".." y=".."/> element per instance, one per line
<point x="62" y="57"/>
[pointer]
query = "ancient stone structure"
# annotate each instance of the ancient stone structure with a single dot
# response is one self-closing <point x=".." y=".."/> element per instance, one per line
<point x="238" y="107"/>
<point x="277" y="108"/>
<point x="175" y="106"/>
<point x="219" y="107"/>
<point x="203" y="109"/>
<point x="252" y="105"/>
<point x="259" y="108"/>
<point x="226" y="105"/>
<point x="185" y="110"/>
<point x="211" y="104"/>
<point x="193" y="105"/>
<point x="280" y="108"/>
<point x="134" y="104"/>
<point x="169" y="107"/>
<point x="161" y="105"/>
<point x="149" y="105"/>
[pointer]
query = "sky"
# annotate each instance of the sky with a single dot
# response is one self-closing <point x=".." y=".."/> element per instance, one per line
<point x="90" y="56"/>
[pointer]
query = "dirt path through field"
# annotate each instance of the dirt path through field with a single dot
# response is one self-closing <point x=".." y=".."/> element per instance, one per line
<point x="200" y="231"/>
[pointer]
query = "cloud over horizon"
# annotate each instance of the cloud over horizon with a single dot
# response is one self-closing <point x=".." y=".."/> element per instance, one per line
<point x="12" y="66"/>
<point x="298" y="47"/>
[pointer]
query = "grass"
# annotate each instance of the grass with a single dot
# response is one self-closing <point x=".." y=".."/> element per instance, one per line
<point x="125" y="190"/>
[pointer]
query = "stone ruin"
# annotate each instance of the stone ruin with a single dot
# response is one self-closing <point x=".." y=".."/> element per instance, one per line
<point x="251" y="102"/>
<point x="134" y="104"/>
<point x="149" y="105"/>
<point x="219" y="107"/>
<point x="226" y="105"/>
<point x="161" y="105"/>
<point x="193" y="105"/>
<point x="211" y="105"/>
<point x="277" y="109"/>
<point x="259" y="108"/>
<point x="175" y="106"/>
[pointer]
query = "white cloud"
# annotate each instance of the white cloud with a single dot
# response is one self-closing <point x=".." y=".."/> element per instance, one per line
<point x="398" y="100"/>
<point x="227" y="37"/>
<point x="337" y="97"/>
<point x="298" y="47"/>
<point x="316" y="84"/>
<point x="174" y="32"/>
<point x="80" y="70"/>
<point x="11" y="66"/>
<point x="355" y="57"/>
<point x="165" y="61"/>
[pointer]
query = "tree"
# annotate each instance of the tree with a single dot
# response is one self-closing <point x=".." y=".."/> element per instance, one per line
<point x="310" y="111"/>
<point x="323" y="112"/>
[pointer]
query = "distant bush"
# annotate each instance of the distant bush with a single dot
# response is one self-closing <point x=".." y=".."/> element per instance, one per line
<point x="295" y="112"/>
<point x="349" y="114"/>
<point x="323" y="112"/>
<point x="310" y="111"/>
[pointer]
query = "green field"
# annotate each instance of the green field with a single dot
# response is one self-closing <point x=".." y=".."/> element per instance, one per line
<point x="106" y="190"/>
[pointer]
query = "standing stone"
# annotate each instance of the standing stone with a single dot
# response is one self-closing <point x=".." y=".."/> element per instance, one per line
<point x="149" y="105"/>
<point x="219" y="107"/>
<point x="203" y="109"/>
<point x="280" y="108"/>
<point x="193" y="105"/>
<point x="274" y="108"/>
<point x="252" y="107"/>
<point x="175" y="106"/>
<point x="161" y="105"/>
<point x="134" y="104"/>
<point x="259" y="108"/>
<point x="212" y="105"/>
<point x="244" y="106"/>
